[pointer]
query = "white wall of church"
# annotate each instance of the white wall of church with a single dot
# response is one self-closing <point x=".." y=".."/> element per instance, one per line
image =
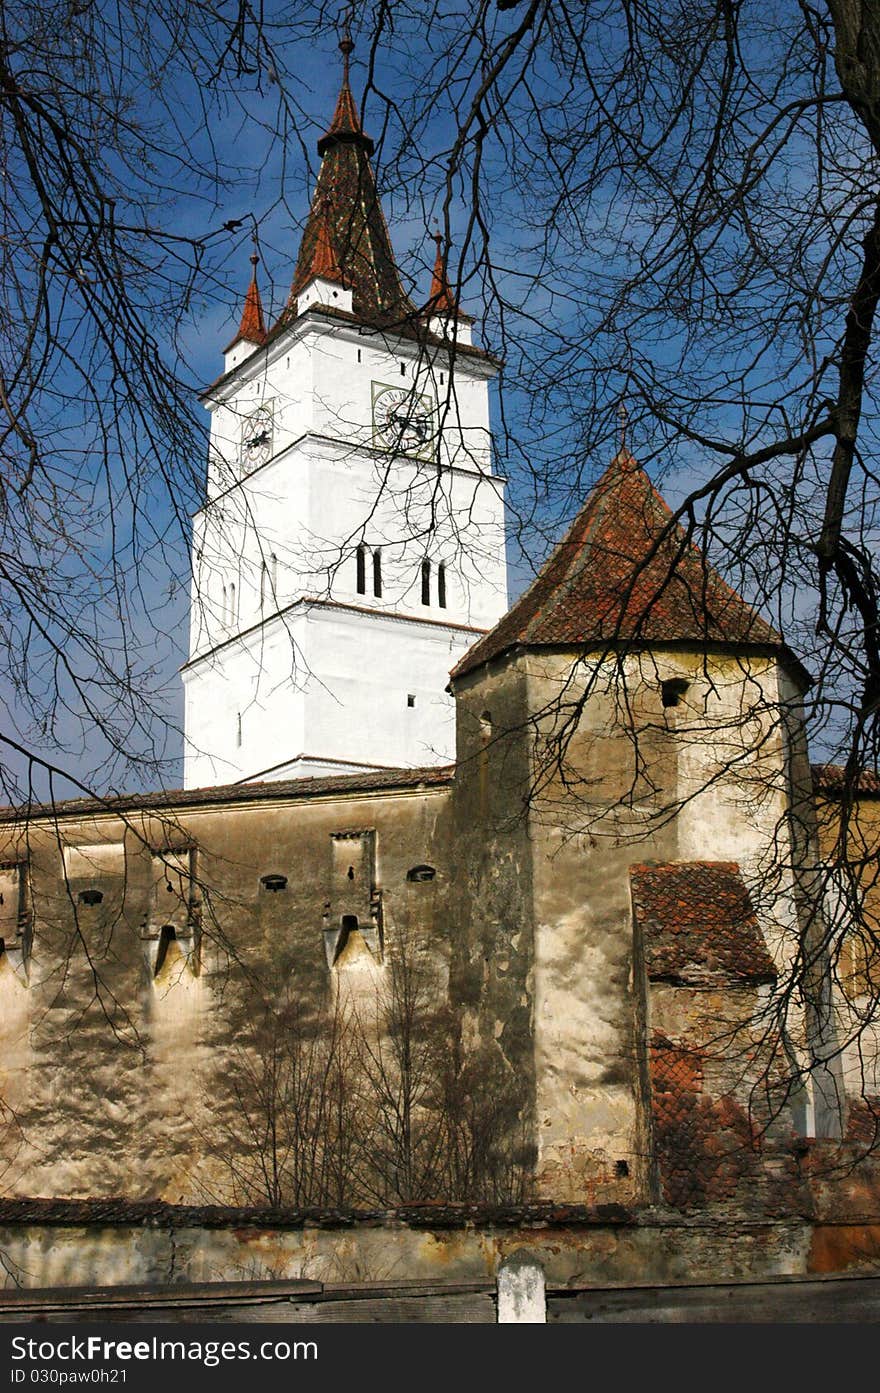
<point x="320" y="690"/>
<point x="299" y="649"/>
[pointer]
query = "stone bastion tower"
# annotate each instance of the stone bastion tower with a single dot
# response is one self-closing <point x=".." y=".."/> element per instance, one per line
<point x="351" y="544"/>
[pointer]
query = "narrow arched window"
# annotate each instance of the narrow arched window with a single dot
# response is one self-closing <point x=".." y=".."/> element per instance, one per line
<point x="273" y="567"/>
<point x="224" y="608"/>
<point x="232" y="611"/>
<point x="426" y="582"/>
<point x="441" y="585"/>
<point x="362" y="570"/>
<point x="264" y="585"/>
<point x="377" y="573"/>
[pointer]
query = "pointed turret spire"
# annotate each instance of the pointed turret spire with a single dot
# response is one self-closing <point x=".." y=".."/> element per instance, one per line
<point x="252" y="328"/>
<point x="441" y="301"/>
<point x="345" y="225"/>
<point x="346" y="123"/>
<point x="444" y="318"/>
<point x="323" y="258"/>
<point x="626" y="574"/>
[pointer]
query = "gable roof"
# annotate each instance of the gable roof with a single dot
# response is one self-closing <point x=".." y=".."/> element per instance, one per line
<point x="625" y="574"/>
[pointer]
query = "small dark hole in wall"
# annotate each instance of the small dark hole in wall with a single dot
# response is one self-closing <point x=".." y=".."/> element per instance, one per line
<point x="672" y="690"/>
<point x="90" y="897"/>
<point x="421" y="873"/>
<point x="410" y="699"/>
<point x="621" y="1169"/>
<point x="273" y="882"/>
<point x="2" y="946"/>
<point x="351" y="872"/>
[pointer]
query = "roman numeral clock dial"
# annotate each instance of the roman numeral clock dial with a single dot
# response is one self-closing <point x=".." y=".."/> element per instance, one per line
<point x="403" y="420"/>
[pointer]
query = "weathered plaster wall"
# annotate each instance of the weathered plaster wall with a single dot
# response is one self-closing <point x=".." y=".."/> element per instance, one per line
<point x="398" y="1248"/>
<point x="849" y="834"/>
<point x="615" y="775"/>
<point x="117" y="1077"/>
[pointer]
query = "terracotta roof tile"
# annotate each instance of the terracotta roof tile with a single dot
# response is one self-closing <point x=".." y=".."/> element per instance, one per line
<point x="698" y="924"/>
<point x="835" y="778"/>
<point x="338" y="785"/>
<point x="441" y="300"/>
<point x="619" y="577"/>
<point x="253" y="324"/>
<point x="324" y="262"/>
<point x="346" y="210"/>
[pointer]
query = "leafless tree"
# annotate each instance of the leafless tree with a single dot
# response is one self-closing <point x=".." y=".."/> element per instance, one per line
<point x="671" y="205"/>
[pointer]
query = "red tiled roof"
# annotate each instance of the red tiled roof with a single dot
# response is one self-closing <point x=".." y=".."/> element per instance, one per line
<point x="323" y="259"/>
<point x="620" y="577"/>
<point x="346" y="209"/>
<point x="320" y="786"/>
<point x="253" y="324"/>
<point x="698" y="924"/>
<point x="835" y="778"/>
<point x="441" y="300"/>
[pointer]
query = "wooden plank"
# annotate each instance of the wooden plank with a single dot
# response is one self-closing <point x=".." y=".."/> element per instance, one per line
<point x="402" y="1310"/>
<point x="175" y="1294"/>
<point x="437" y="1309"/>
<point x="820" y="1302"/>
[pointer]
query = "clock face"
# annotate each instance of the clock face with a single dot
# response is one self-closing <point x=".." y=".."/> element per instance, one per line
<point x="402" y="420"/>
<point x="256" y="437"/>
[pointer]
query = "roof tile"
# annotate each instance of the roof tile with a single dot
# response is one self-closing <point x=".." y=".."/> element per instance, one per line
<point x="698" y="924"/>
<point x="625" y="573"/>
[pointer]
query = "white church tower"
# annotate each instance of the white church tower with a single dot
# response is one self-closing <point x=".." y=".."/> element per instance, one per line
<point x="351" y="545"/>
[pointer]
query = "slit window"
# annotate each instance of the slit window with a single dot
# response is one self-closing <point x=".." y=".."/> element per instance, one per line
<point x="403" y="369"/>
<point x="377" y="573"/>
<point x="362" y="570"/>
<point x="264" y="584"/>
<point x="426" y="582"/>
<point x="441" y="585"/>
<point x="167" y="935"/>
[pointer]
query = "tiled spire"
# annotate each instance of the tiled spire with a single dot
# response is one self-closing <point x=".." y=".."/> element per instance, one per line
<point x="346" y="213"/>
<point x="346" y="124"/>
<point x="441" y="301"/>
<point x="323" y="258"/>
<point x="253" y="324"/>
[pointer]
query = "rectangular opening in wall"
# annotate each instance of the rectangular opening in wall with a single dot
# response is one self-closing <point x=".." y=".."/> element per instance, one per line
<point x="172" y="900"/>
<point x="90" y="863"/>
<point x="377" y="573"/>
<point x="12" y="882"/>
<point x="410" y="699"/>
